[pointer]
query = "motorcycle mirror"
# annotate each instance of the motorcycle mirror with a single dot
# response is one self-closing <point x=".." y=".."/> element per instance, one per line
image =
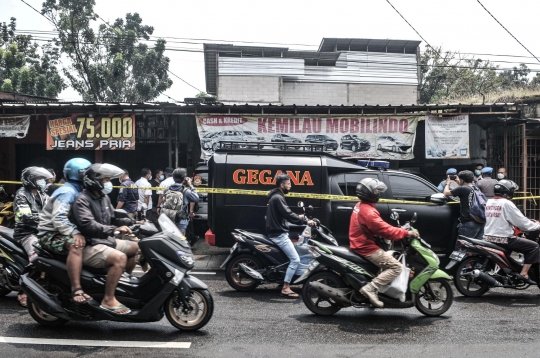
<point x="300" y="204"/>
<point x="310" y="208"/>
<point x="413" y="220"/>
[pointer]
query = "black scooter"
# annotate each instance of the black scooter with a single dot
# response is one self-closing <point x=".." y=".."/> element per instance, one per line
<point x="255" y="259"/>
<point x="166" y="289"/>
<point x="13" y="260"/>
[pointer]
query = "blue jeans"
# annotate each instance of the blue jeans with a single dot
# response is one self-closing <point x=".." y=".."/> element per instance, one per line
<point x="286" y="245"/>
<point x="471" y="229"/>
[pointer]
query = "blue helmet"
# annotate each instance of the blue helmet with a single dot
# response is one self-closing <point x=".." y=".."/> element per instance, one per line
<point x="74" y="169"/>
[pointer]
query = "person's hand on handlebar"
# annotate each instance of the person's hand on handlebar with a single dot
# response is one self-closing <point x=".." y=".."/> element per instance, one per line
<point x="413" y="234"/>
<point x="123" y="230"/>
<point x="311" y="223"/>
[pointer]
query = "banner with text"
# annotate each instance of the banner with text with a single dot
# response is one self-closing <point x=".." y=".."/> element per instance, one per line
<point x="447" y="137"/>
<point x="85" y="132"/>
<point x="14" y="126"/>
<point x="360" y="137"/>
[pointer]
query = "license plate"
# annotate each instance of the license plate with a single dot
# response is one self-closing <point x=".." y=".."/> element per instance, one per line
<point x="312" y="265"/>
<point x="457" y="255"/>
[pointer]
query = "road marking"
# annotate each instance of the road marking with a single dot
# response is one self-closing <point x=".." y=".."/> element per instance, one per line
<point x="202" y="273"/>
<point x="89" y="343"/>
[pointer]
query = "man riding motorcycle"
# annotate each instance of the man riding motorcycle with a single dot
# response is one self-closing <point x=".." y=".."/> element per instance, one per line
<point x="502" y="216"/>
<point x="366" y="223"/>
<point x="27" y="204"/>
<point x="59" y="235"/>
<point x="93" y="213"/>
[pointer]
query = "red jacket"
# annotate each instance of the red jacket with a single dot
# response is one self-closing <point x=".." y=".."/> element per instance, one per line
<point x="365" y="215"/>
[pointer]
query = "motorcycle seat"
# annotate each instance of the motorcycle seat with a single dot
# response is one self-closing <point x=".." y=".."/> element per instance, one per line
<point x="348" y="254"/>
<point x="483" y="243"/>
<point x="7" y="233"/>
<point x="259" y="237"/>
<point x="62" y="258"/>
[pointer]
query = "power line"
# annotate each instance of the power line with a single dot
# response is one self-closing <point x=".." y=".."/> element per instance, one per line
<point x="494" y="18"/>
<point x="33" y="8"/>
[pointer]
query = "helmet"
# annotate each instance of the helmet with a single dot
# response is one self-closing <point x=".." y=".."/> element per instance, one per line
<point x="369" y="190"/>
<point x="505" y="188"/>
<point x="30" y="175"/>
<point x="74" y="169"/>
<point x="97" y="172"/>
<point x="179" y="174"/>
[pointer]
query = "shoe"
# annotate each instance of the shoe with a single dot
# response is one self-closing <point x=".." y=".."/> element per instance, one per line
<point x="370" y="291"/>
<point x="128" y="278"/>
<point x="526" y="280"/>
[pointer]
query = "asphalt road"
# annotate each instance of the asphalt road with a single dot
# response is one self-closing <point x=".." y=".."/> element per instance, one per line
<point x="262" y="324"/>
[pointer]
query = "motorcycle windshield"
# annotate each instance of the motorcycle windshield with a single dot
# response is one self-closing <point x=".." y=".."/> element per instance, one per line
<point x="171" y="230"/>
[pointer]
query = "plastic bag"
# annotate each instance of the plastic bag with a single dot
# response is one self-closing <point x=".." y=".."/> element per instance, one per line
<point x="398" y="288"/>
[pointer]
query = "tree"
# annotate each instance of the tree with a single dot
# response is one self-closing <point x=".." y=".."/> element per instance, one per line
<point x="112" y="63"/>
<point x="515" y="78"/>
<point x="26" y="67"/>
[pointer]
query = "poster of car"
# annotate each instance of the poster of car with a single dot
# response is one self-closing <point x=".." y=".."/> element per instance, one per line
<point x="14" y="126"/>
<point x="377" y="137"/>
<point x="447" y="137"/>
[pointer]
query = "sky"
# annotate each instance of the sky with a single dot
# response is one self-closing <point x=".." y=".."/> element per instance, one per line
<point x="458" y="25"/>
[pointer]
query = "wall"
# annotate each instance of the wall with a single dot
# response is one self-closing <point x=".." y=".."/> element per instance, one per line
<point x="360" y="94"/>
<point x="262" y="89"/>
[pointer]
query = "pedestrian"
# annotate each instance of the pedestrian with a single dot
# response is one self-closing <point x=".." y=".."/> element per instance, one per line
<point x="478" y="172"/>
<point x="165" y="184"/>
<point x="144" y="203"/>
<point x="452" y="173"/>
<point x="467" y="226"/>
<point x="487" y="184"/>
<point x="51" y="186"/>
<point x="501" y="174"/>
<point x="128" y="196"/>
<point x="278" y="215"/>
<point x="155" y="183"/>
<point x="27" y="204"/>
<point x="191" y="200"/>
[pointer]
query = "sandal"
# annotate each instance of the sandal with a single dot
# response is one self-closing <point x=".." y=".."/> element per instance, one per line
<point x="115" y="309"/>
<point x="80" y="294"/>
<point x="291" y="295"/>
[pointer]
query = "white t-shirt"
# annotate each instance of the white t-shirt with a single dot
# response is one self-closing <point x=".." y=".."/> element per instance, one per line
<point x="165" y="184"/>
<point x="143" y="183"/>
<point x="502" y="215"/>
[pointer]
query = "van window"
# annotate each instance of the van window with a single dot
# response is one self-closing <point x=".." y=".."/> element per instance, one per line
<point x="409" y="188"/>
<point x="347" y="182"/>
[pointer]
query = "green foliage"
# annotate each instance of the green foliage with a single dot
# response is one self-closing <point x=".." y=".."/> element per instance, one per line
<point x="447" y="76"/>
<point x="203" y="95"/>
<point x="112" y="63"/>
<point x="26" y="67"/>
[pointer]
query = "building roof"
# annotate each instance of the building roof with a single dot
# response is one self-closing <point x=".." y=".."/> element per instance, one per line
<point x="368" y="45"/>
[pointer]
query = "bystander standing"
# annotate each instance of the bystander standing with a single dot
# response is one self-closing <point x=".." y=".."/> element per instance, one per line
<point x="127" y="197"/>
<point x="487" y="184"/>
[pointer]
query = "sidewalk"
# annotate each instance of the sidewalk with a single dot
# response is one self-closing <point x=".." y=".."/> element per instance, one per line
<point x="208" y="258"/>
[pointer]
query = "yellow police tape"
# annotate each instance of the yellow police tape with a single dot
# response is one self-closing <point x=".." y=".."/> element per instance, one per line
<point x="290" y="195"/>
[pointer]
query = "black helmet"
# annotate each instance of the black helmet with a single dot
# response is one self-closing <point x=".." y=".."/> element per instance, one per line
<point x="505" y="188"/>
<point x="369" y="190"/>
<point x="179" y="174"/>
<point x="97" y="172"/>
<point x="30" y="175"/>
<point x="466" y="175"/>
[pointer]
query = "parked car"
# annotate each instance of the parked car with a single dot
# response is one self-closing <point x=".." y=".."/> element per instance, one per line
<point x="354" y="143"/>
<point x="207" y="140"/>
<point x="212" y="141"/>
<point x="327" y="142"/>
<point x="392" y="144"/>
<point x="284" y="138"/>
<point x="320" y="173"/>
<point x="250" y="136"/>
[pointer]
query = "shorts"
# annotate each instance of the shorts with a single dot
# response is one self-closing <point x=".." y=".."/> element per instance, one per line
<point x="28" y="244"/>
<point x="96" y="256"/>
<point x="55" y="242"/>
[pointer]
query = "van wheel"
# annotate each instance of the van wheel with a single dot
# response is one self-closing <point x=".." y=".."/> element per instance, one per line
<point x="236" y="278"/>
<point x="354" y="147"/>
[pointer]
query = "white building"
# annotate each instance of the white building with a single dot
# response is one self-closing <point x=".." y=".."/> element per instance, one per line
<point x="342" y="71"/>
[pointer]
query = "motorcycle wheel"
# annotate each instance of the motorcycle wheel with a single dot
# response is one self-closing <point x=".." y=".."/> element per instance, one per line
<point x="202" y="308"/>
<point x="236" y="279"/>
<point x="321" y="305"/>
<point x="442" y="302"/>
<point x="467" y="286"/>
<point x="43" y="318"/>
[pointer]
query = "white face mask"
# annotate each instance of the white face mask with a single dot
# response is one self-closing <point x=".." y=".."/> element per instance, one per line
<point x="500" y="176"/>
<point x="41" y="183"/>
<point x="107" y="188"/>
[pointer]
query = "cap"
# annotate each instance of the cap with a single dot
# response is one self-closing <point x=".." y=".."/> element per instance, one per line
<point x="487" y="170"/>
<point x="451" y="171"/>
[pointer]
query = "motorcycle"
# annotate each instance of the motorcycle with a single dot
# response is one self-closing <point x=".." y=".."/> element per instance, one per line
<point x="255" y="259"/>
<point x="334" y="279"/>
<point x="483" y="265"/>
<point x="166" y="289"/>
<point x="13" y="260"/>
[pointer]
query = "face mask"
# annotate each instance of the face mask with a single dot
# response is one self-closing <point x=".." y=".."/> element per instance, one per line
<point x="41" y="183"/>
<point x="161" y="178"/>
<point x="477" y="172"/>
<point x="107" y="188"/>
<point x="500" y="176"/>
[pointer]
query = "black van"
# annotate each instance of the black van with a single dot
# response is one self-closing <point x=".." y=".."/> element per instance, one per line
<point x="318" y="173"/>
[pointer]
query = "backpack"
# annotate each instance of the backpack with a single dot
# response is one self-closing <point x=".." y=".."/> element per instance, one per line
<point x="172" y="203"/>
<point x="478" y="206"/>
<point x="196" y="207"/>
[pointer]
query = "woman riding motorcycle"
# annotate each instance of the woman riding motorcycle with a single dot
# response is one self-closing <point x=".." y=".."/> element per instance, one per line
<point x="501" y="217"/>
<point x="366" y="223"/>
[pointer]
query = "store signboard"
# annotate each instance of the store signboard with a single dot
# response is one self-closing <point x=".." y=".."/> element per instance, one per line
<point x="447" y="137"/>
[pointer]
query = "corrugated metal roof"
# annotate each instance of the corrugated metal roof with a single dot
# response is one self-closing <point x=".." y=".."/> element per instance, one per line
<point x="371" y="45"/>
